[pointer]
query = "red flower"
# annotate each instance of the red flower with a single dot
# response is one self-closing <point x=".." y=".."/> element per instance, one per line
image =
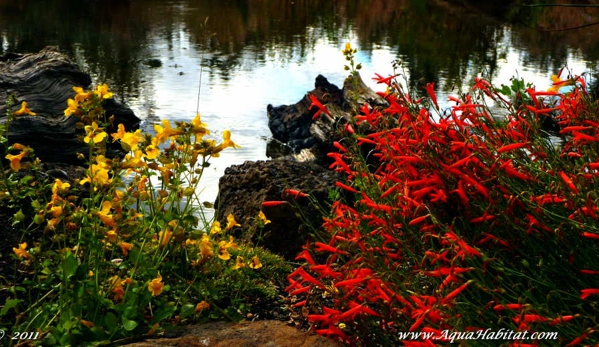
<point x="321" y="107"/>
<point x="588" y="292"/>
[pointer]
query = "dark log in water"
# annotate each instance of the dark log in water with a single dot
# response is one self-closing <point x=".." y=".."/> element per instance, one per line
<point x="45" y="80"/>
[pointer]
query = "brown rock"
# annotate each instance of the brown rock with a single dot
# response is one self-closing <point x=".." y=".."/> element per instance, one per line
<point x="244" y="334"/>
<point x="244" y="188"/>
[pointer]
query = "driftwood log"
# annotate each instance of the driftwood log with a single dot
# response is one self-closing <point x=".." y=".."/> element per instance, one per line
<point x="311" y="139"/>
<point x="45" y="80"/>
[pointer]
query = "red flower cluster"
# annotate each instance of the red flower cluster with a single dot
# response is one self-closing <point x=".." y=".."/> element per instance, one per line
<point x="465" y="219"/>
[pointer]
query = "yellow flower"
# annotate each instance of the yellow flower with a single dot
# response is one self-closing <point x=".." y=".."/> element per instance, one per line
<point x="197" y="127"/>
<point x="231" y="222"/>
<point x="72" y="107"/>
<point x="152" y="152"/>
<point x="15" y="160"/>
<point x="559" y="83"/>
<point x="52" y="223"/>
<point x="94" y="133"/>
<point x="165" y="131"/>
<point x="105" y="216"/>
<point x="239" y="263"/>
<point x="215" y="229"/>
<point x="164" y="237"/>
<point x="255" y="263"/>
<point x="59" y="186"/>
<point x="227" y="140"/>
<point x="111" y="235"/>
<point x="129" y="141"/>
<point x="263" y="218"/>
<point x="56" y="211"/>
<point x="21" y="252"/>
<point x="24" y="110"/>
<point x="206" y="247"/>
<point x="202" y="306"/>
<point x="102" y="91"/>
<point x="125" y="247"/>
<point x="81" y="95"/>
<point x="99" y="172"/>
<point x="347" y="49"/>
<point x="156" y="286"/>
<point x="223" y="248"/>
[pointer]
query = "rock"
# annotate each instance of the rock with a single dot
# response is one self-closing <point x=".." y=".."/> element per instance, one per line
<point x="244" y="334"/>
<point x="294" y="124"/>
<point x="45" y="81"/>
<point x="244" y="188"/>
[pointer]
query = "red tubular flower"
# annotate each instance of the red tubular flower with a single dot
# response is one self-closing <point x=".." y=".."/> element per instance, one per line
<point x="430" y="89"/>
<point x="273" y="203"/>
<point x="588" y="292"/>
<point x="589" y="235"/>
<point x="455" y="293"/>
<point x="321" y="107"/>
<point x="589" y="272"/>
<point x="562" y="319"/>
<point x="293" y="193"/>
<point x="323" y="247"/>
<point x="568" y="182"/>
<point x="511" y="147"/>
<point x="510" y="307"/>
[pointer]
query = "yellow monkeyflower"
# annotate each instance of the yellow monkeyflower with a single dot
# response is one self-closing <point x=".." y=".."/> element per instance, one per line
<point x="15" y="160"/>
<point x="164" y="237"/>
<point x="129" y="141"/>
<point x="24" y="110"/>
<point x="21" y="252"/>
<point x="56" y="211"/>
<point x="202" y="306"/>
<point x="112" y="235"/>
<point x="347" y="49"/>
<point x="199" y="128"/>
<point x="239" y="263"/>
<point x="94" y="133"/>
<point x="255" y="263"/>
<point x="156" y="286"/>
<point x="72" y="107"/>
<point x="125" y="247"/>
<point x="223" y="248"/>
<point x="52" y="223"/>
<point x="165" y="131"/>
<point x="206" y="247"/>
<point x="559" y="83"/>
<point x="59" y="186"/>
<point x="102" y="91"/>
<point x="231" y="222"/>
<point x="81" y="95"/>
<point x="98" y="176"/>
<point x="215" y="229"/>
<point x="263" y="218"/>
<point x="104" y="214"/>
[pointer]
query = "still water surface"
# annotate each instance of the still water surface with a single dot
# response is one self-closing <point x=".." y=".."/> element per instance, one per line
<point x="157" y="55"/>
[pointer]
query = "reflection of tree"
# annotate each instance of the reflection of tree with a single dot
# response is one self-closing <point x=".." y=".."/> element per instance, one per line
<point x="437" y="41"/>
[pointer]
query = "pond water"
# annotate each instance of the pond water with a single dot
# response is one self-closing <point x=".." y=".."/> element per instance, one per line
<point x="241" y="55"/>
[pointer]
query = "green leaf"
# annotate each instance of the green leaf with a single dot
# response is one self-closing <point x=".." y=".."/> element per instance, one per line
<point x="8" y="305"/>
<point x="110" y="321"/>
<point x="164" y="313"/>
<point x="187" y="310"/>
<point x="129" y="325"/>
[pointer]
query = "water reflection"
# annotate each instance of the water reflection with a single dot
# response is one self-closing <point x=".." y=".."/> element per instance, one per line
<point x="153" y="53"/>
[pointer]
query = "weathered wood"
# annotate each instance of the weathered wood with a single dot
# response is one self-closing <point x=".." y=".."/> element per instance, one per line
<point x="46" y="80"/>
<point x="294" y="125"/>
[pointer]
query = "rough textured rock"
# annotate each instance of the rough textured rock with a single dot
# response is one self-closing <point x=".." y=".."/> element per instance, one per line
<point x="245" y="334"/>
<point x="244" y="188"/>
<point x="45" y="80"/>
